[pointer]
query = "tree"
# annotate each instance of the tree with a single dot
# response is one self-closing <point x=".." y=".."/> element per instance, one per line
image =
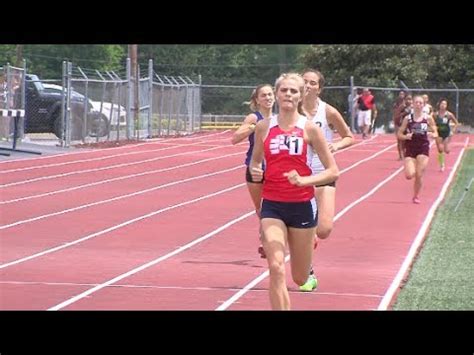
<point x="46" y="60"/>
<point x="417" y="66"/>
<point x="370" y="65"/>
<point x="7" y="54"/>
<point x="223" y="65"/>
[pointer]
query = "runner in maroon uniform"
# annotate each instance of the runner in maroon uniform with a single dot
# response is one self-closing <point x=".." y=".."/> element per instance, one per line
<point x="414" y="131"/>
<point x="288" y="208"/>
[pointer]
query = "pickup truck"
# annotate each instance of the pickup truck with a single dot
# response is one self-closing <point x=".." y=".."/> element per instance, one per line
<point x="43" y="112"/>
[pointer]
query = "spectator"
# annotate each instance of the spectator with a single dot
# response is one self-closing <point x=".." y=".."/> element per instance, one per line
<point x="365" y="104"/>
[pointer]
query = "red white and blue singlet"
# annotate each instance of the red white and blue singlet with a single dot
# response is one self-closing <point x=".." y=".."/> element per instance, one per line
<point x="285" y="151"/>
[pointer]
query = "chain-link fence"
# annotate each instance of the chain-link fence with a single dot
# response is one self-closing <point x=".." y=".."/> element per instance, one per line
<point x="176" y="105"/>
<point x="225" y="105"/>
<point x="460" y="102"/>
<point x="102" y="97"/>
<point x="87" y="105"/>
<point x="124" y="108"/>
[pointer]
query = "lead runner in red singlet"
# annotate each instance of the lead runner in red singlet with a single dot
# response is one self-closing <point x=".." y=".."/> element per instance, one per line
<point x="288" y="212"/>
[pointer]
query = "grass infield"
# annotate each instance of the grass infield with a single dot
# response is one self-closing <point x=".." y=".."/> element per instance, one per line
<point x="442" y="275"/>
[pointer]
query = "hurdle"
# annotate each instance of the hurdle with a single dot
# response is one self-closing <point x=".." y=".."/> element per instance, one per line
<point x="16" y="114"/>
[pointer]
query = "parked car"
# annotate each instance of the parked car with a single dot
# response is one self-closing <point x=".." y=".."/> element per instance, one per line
<point x="43" y="111"/>
<point x="107" y="107"/>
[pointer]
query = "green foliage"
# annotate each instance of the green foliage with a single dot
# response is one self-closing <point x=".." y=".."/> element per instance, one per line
<point x="7" y="54"/>
<point x="224" y="65"/>
<point x="385" y="65"/>
<point x="370" y="65"/>
<point x="46" y="60"/>
<point x="253" y="64"/>
<point x="418" y="66"/>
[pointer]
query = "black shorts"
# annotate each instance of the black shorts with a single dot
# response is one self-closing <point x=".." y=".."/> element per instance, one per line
<point x="248" y="177"/>
<point x="444" y="134"/>
<point x="293" y="214"/>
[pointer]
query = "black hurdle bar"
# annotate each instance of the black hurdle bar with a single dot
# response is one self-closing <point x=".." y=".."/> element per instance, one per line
<point x="15" y="136"/>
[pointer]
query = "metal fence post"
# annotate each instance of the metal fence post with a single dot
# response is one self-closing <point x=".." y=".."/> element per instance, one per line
<point x="63" y="104"/>
<point x="170" y="104"/>
<point x="68" y="104"/>
<point x="457" y="99"/>
<point x="200" y="99"/>
<point x="129" y="100"/>
<point x="351" y="103"/>
<point x="136" y="103"/>
<point x="9" y="83"/>
<point x="23" y="86"/>
<point x="150" y="97"/>
<point x="162" y="98"/>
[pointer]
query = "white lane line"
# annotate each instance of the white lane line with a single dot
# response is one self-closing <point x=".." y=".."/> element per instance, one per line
<point x="149" y="264"/>
<point x="14" y="262"/>
<point x="117" y="198"/>
<point x="33" y="219"/>
<point x="143" y="191"/>
<point x="127" y="164"/>
<point x="118" y="226"/>
<point x="184" y="288"/>
<point x="111" y="156"/>
<point x="124" y="147"/>
<point x="124" y="177"/>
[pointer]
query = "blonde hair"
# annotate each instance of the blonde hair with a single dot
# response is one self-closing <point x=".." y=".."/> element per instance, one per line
<point x="415" y="96"/>
<point x="299" y="79"/>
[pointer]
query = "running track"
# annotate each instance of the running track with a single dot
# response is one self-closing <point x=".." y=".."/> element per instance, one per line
<point x="168" y="225"/>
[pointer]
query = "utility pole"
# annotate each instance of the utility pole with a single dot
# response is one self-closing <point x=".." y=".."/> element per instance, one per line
<point x="133" y="55"/>
<point x="282" y="58"/>
<point x="19" y="55"/>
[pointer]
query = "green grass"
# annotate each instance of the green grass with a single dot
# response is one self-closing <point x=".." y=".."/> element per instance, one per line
<point x="442" y="276"/>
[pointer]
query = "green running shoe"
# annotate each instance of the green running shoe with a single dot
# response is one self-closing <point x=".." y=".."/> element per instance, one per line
<point x="310" y="285"/>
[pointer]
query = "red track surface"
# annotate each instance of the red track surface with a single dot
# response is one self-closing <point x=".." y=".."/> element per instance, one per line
<point x="105" y="237"/>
